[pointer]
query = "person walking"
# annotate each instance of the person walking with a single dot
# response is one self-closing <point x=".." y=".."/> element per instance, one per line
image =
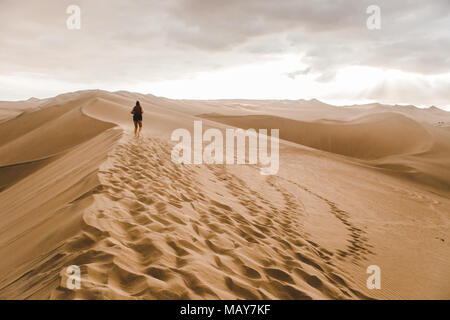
<point x="137" y="113"/>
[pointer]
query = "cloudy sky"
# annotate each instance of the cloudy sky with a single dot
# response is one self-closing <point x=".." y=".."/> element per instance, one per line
<point x="208" y="49"/>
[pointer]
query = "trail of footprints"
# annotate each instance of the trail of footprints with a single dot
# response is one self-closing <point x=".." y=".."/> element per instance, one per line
<point x="359" y="246"/>
<point x="158" y="235"/>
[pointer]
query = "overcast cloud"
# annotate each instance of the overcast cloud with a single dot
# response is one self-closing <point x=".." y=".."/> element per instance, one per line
<point x="148" y="45"/>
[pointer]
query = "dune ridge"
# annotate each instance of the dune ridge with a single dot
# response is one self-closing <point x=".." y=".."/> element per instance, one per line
<point x="47" y="163"/>
<point x="160" y="234"/>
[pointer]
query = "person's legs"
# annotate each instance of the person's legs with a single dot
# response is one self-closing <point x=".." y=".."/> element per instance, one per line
<point x="135" y="128"/>
<point x="140" y="128"/>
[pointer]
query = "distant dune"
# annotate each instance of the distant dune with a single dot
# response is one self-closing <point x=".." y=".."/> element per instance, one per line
<point x="357" y="186"/>
<point x="381" y="139"/>
<point x="369" y="137"/>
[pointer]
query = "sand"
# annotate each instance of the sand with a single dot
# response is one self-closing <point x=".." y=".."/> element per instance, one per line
<point x="357" y="186"/>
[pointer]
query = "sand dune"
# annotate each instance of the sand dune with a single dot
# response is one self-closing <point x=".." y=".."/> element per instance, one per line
<point x="384" y="140"/>
<point x="164" y="231"/>
<point x="369" y="137"/>
<point x="78" y="189"/>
